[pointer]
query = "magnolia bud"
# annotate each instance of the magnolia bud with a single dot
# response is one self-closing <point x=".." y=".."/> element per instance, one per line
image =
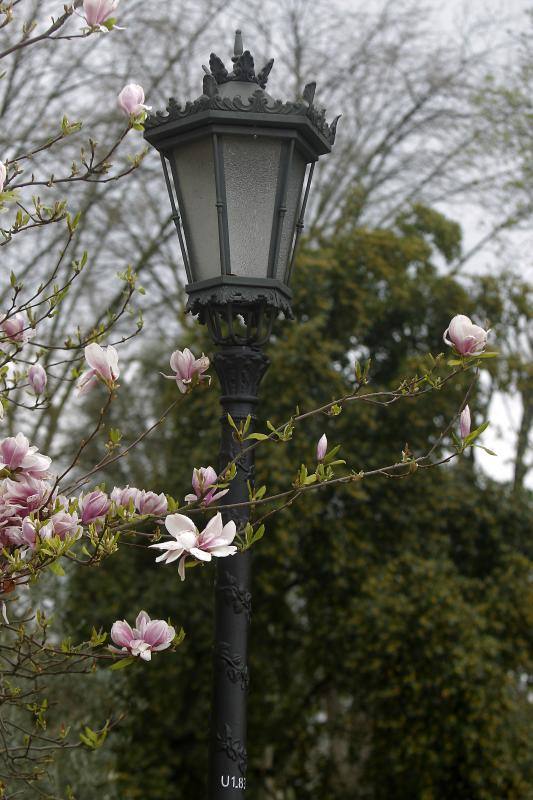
<point x="321" y="448"/>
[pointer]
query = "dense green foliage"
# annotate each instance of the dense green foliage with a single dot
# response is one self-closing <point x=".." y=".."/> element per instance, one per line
<point x="392" y="619"/>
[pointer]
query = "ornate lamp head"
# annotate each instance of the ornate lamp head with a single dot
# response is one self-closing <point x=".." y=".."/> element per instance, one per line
<point x="236" y="163"/>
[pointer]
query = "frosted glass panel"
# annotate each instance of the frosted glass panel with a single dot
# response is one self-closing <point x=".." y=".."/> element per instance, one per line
<point x="196" y="177"/>
<point x="251" y="166"/>
<point x="294" y="191"/>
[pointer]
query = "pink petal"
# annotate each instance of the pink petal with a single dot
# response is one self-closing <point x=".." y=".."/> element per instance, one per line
<point x="121" y="633"/>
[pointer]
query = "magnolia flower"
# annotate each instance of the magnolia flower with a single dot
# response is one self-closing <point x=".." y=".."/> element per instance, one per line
<point x="104" y="366"/>
<point x="15" y="328"/>
<point x="37" y="378"/>
<point x="464" y="422"/>
<point x="186" y="366"/>
<point x="148" y="636"/>
<point x="3" y="175"/>
<point x="65" y="524"/>
<point x="94" y="506"/>
<point x="123" y="497"/>
<point x="16" y="453"/>
<point x="467" y="338"/>
<point x="95" y="12"/>
<point x="203" y="479"/>
<point x="29" y="532"/>
<point x="131" y="100"/>
<point x="151" y="503"/>
<point x="25" y="495"/>
<point x="322" y="447"/>
<point x="214" y="540"/>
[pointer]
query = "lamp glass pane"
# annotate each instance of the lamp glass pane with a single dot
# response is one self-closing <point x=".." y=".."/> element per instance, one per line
<point x="251" y="165"/>
<point x="294" y="192"/>
<point x="194" y="165"/>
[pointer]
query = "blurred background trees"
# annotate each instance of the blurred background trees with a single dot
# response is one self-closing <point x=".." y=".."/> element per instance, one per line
<point x="391" y="629"/>
<point x="391" y="647"/>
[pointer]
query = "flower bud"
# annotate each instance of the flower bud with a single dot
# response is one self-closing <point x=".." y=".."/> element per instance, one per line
<point x="122" y="497"/>
<point x="465" y="422"/>
<point x="131" y="100"/>
<point x="151" y="503"/>
<point x="94" y="506"/>
<point x="14" y="328"/>
<point x="321" y="448"/>
<point x="37" y="378"/>
<point x="96" y="12"/>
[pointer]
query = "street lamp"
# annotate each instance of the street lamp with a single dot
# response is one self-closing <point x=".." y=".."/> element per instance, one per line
<point x="238" y="167"/>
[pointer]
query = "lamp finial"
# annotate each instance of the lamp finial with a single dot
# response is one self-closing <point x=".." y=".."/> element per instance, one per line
<point x="239" y="47"/>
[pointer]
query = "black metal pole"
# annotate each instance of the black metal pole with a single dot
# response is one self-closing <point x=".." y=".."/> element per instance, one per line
<point x="240" y="369"/>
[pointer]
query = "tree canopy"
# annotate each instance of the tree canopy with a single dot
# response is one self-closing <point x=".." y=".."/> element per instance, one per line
<point x="391" y="628"/>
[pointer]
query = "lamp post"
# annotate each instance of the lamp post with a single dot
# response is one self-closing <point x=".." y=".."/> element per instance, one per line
<point x="238" y="167"/>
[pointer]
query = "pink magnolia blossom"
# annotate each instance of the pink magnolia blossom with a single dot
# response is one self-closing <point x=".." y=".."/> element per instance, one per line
<point x="94" y="506"/>
<point x="104" y="366"/>
<point x="131" y="100"/>
<point x="122" y="497"/>
<point x="16" y="453"/>
<point x="465" y="422"/>
<point x="30" y="534"/>
<point x="37" y="378"/>
<point x="203" y="479"/>
<point x="96" y="12"/>
<point x="186" y="367"/>
<point x="214" y="540"/>
<point x="25" y="495"/>
<point x="3" y="175"/>
<point x="467" y="338"/>
<point x="151" y="503"/>
<point x="149" y="636"/>
<point x="65" y="524"/>
<point x="16" y="328"/>
<point x="322" y="447"/>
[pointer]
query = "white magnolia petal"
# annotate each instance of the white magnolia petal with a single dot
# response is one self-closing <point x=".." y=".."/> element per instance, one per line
<point x="224" y="550"/>
<point x="179" y="523"/>
<point x="201" y="555"/>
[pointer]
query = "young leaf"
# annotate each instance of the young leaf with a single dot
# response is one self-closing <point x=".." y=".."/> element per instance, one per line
<point x="122" y="663"/>
<point x="474" y="435"/>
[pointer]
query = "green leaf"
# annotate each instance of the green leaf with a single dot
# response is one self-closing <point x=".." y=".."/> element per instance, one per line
<point x="258" y="534"/>
<point x="57" y="569"/>
<point x="260" y="437"/>
<point x="179" y="637"/>
<point x="331" y="454"/>
<point x="122" y="663"/>
<point x="232" y="424"/>
<point x="486" y="449"/>
<point x="474" y="435"/>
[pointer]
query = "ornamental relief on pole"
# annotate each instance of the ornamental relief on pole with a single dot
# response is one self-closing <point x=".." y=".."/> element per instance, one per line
<point x="233" y="748"/>
<point x="240" y="599"/>
<point x="233" y="665"/>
